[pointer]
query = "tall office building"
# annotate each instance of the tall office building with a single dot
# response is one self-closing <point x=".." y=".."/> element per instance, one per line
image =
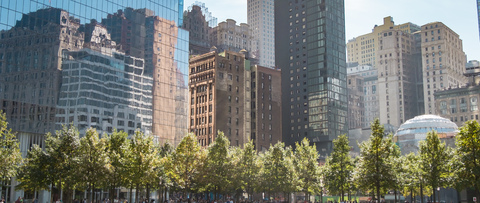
<point x="310" y="51"/>
<point x="35" y="44"/>
<point x="397" y="67"/>
<point x="363" y="49"/>
<point x="261" y="18"/>
<point x="478" y="13"/>
<point x="443" y="61"/>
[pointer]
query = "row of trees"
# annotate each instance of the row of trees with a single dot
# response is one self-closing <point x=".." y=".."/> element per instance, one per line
<point x="88" y="163"/>
<point x="380" y="168"/>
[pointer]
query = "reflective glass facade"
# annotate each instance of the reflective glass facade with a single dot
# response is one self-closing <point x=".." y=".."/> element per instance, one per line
<point x="37" y="35"/>
<point x="310" y="51"/>
<point x="107" y="93"/>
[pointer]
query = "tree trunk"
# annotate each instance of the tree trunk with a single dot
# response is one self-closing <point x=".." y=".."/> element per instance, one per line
<point x="395" y="192"/>
<point x="148" y="192"/>
<point x="137" y="187"/>
<point x="378" y="190"/>
<point x="130" y="197"/>
<point x="433" y="188"/>
<point x="421" y="192"/>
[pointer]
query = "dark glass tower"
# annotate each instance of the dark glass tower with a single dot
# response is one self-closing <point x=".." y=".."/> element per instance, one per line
<point x="310" y="50"/>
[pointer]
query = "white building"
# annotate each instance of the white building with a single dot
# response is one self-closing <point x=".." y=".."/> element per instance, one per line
<point x="261" y="18"/>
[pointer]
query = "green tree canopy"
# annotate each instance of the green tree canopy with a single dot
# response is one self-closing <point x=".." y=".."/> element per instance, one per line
<point x="434" y="161"/>
<point x="10" y="155"/>
<point x="374" y="170"/>
<point x="468" y="157"/>
<point x="339" y="167"/>
<point x="306" y="166"/>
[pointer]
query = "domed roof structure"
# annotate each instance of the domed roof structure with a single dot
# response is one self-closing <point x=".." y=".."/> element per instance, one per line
<point x="410" y="133"/>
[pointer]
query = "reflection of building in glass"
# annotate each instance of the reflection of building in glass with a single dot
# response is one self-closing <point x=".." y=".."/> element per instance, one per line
<point x="212" y="21"/>
<point x="415" y="130"/>
<point x="365" y="78"/>
<point x="199" y="29"/>
<point x="105" y="93"/>
<point x="164" y="47"/>
<point x="35" y="43"/>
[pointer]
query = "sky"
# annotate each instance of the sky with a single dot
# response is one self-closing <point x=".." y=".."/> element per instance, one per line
<point x="362" y="15"/>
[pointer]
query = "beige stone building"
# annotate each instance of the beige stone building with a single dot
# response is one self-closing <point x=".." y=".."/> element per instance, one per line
<point x="397" y="67"/>
<point x="443" y="61"/>
<point x="363" y="49"/>
<point x="461" y="104"/>
<point x="227" y="36"/>
<point x="228" y="94"/>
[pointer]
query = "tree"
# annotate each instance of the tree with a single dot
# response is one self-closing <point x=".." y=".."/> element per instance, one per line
<point x="413" y="183"/>
<point x="164" y="182"/>
<point x="218" y="165"/>
<point x="275" y="170"/>
<point x="62" y="155"/>
<point x="374" y="170"/>
<point x="306" y="166"/>
<point x="142" y="162"/>
<point x="93" y="161"/>
<point x="433" y="161"/>
<point x="185" y="164"/>
<point x="339" y="167"/>
<point x="468" y="156"/>
<point x="292" y="177"/>
<point x="33" y="174"/>
<point x="10" y="155"/>
<point x="116" y="150"/>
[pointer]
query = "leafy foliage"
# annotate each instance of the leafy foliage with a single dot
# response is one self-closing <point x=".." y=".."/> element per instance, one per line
<point x="10" y="155"/>
<point x="467" y="157"/>
<point x="374" y="169"/>
<point x="339" y="167"/>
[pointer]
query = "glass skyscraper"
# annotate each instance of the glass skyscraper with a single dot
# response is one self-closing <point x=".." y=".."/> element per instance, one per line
<point x="310" y="51"/>
<point x="38" y="38"/>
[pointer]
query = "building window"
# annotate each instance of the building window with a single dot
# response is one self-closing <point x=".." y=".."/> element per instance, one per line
<point x="473" y="104"/>
<point x="443" y="107"/>
<point x="453" y="106"/>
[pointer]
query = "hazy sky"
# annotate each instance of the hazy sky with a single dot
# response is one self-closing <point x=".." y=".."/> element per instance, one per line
<point x="362" y="15"/>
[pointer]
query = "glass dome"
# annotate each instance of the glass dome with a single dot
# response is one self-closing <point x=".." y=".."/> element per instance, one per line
<point x="410" y="133"/>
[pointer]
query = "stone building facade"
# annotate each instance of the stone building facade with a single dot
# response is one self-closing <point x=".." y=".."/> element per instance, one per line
<point x="266" y="107"/>
<point x="443" y="61"/>
<point x="397" y="69"/>
<point x="219" y="100"/>
<point x="228" y="94"/>
<point x="227" y="36"/>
